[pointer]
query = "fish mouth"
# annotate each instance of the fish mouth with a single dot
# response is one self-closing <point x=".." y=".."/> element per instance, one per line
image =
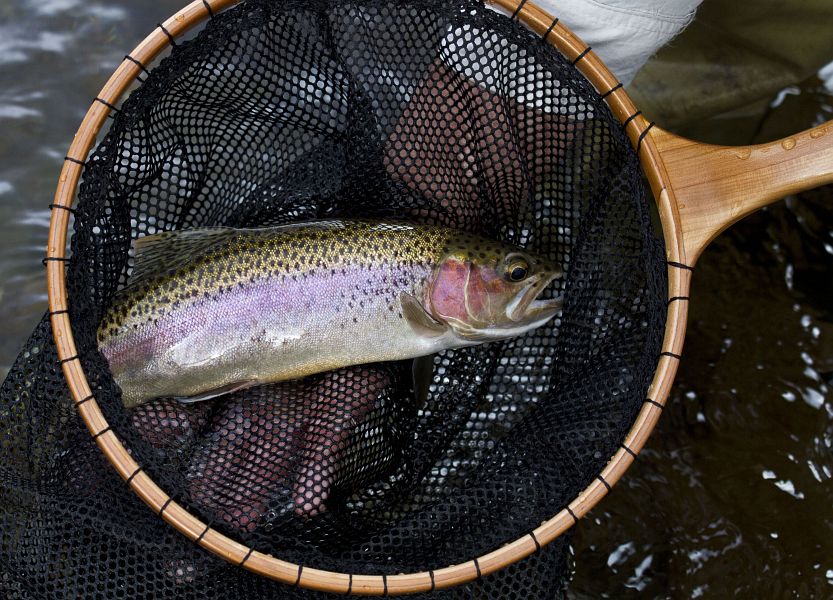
<point x="526" y="311"/>
<point x="530" y="307"/>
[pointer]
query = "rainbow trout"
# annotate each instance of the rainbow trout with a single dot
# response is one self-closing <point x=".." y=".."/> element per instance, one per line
<point x="215" y="310"/>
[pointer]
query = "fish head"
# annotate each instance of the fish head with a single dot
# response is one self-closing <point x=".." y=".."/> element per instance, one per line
<point x="484" y="290"/>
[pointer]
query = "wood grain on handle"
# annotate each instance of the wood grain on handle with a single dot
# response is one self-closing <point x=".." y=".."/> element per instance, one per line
<point x="716" y="186"/>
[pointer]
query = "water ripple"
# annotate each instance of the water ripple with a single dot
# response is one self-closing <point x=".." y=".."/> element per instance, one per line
<point x="17" y="45"/>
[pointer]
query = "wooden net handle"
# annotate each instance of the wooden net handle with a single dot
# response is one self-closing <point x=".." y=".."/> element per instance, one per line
<point x="716" y="186"/>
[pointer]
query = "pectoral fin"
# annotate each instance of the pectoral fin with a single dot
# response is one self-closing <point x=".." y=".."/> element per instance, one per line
<point x="421" y="322"/>
<point x="220" y="391"/>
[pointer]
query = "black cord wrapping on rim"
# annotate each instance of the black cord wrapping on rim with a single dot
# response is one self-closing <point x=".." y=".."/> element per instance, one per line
<point x="642" y="136"/>
<point x="604" y="483"/>
<point x="678" y="299"/>
<point x="518" y="9"/>
<point x="168" y="33"/>
<point x="385" y="584"/>
<point x="618" y="86"/>
<point x="627" y="121"/>
<point x="582" y="55"/>
<point x="112" y="107"/>
<point x="671" y="354"/>
<point x="75" y="160"/>
<point x="349" y="585"/>
<point x="655" y="403"/>
<point x="140" y="65"/>
<point x="62" y="259"/>
<point x="477" y="567"/>
<point x="678" y="265"/>
<point x="70" y="359"/>
<point x="85" y="399"/>
<point x="572" y="514"/>
<point x="63" y="311"/>
<point x="137" y="63"/>
<point x="208" y="8"/>
<point x="628" y="450"/>
<point x="298" y="579"/>
<point x="202" y="535"/>
<point x="549" y="29"/>
<point x="69" y="209"/>
<point x="102" y="432"/>
<point x="535" y="540"/>
<point x="245" y="558"/>
<point x="132" y="475"/>
<point x="165" y="505"/>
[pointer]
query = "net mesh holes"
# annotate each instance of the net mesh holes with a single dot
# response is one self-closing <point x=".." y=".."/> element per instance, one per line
<point x="278" y="112"/>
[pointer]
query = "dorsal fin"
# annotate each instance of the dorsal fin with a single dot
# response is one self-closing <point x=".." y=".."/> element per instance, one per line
<point x="157" y="253"/>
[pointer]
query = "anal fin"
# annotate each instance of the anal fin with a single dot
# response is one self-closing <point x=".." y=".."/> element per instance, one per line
<point x="220" y="391"/>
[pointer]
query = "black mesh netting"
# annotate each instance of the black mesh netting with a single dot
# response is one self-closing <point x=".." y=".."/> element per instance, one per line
<point x="429" y="110"/>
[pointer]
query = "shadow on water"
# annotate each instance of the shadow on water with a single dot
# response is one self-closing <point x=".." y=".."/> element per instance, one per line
<point x="734" y="492"/>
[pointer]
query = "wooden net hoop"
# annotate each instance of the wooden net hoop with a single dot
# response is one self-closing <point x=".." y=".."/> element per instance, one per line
<point x="638" y="129"/>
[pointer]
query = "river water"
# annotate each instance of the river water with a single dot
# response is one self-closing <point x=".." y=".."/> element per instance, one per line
<point x="734" y="491"/>
<point x="733" y="495"/>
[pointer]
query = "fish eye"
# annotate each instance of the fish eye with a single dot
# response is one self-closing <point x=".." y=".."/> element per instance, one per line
<point x="516" y="269"/>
